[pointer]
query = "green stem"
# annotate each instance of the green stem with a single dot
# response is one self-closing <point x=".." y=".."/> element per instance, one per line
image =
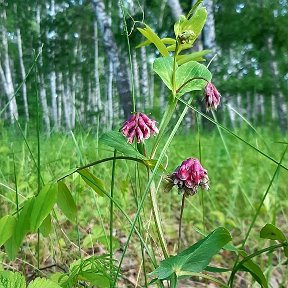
<point x="180" y="222"/>
<point x="111" y="212"/>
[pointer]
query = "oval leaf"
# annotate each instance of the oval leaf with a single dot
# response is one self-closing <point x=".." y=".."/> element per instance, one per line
<point x="43" y="205"/>
<point x="197" y="257"/>
<point x="163" y="67"/>
<point x="117" y="141"/>
<point x="66" y="202"/>
<point x="7" y="225"/>
<point x="46" y="226"/>
<point x="95" y="183"/>
<point x="270" y="231"/>
<point x="42" y="282"/>
<point x="189" y="71"/>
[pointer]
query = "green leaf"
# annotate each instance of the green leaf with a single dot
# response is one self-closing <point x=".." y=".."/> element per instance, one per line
<point x="46" y="227"/>
<point x="9" y="279"/>
<point x="66" y="202"/>
<point x="151" y="36"/>
<point x="270" y="231"/>
<point x="189" y="71"/>
<point x="195" y="56"/>
<point x="163" y="66"/>
<point x="197" y="257"/>
<point x="95" y="183"/>
<point x="117" y="141"/>
<point x="179" y="24"/>
<point x="42" y="282"/>
<point x="252" y="268"/>
<point x="7" y="225"/>
<point x="100" y="281"/>
<point x="43" y="205"/>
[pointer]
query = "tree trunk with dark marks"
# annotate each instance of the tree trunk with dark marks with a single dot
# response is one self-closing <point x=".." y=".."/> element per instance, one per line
<point x="119" y="70"/>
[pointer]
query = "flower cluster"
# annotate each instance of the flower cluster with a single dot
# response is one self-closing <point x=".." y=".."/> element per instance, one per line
<point x="139" y="126"/>
<point x="212" y="97"/>
<point x="189" y="176"/>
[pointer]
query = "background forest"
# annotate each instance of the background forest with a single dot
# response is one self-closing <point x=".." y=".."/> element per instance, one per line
<point x="78" y="84"/>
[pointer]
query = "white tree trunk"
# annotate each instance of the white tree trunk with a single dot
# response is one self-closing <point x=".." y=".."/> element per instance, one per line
<point x="54" y="99"/>
<point x="96" y="69"/>
<point x="176" y="8"/>
<point x="144" y="80"/>
<point x="41" y="81"/>
<point x="23" y="73"/>
<point x="209" y="34"/>
<point x="110" y="96"/>
<point x="139" y="102"/>
<point x="6" y="74"/>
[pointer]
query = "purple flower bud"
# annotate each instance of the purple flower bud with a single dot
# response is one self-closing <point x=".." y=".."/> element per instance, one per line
<point x="212" y="97"/>
<point x="189" y="176"/>
<point x="139" y="126"/>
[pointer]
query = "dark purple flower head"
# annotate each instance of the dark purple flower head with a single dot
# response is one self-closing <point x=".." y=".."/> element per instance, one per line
<point x="189" y="176"/>
<point x="212" y="97"/>
<point x="139" y="126"/>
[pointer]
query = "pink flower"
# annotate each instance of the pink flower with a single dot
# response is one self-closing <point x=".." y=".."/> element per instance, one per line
<point x="139" y="126"/>
<point x="212" y="97"/>
<point x="189" y="176"/>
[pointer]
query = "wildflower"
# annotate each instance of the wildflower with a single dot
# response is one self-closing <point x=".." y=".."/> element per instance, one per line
<point x="212" y="97"/>
<point x="189" y="176"/>
<point x="139" y="126"/>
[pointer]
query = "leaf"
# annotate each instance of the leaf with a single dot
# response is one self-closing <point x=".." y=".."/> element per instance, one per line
<point x="252" y="268"/>
<point x="195" y="56"/>
<point x="66" y="202"/>
<point x="7" y="225"/>
<point x="189" y="71"/>
<point x="117" y="141"/>
<point x="151" y="36"/>
<point x="67" y="173"/>
<point x="163" y="66"/>
<point x="270" y="231"/>
<point x="197" y="257"/>
<point x="100" y="281"/>
<point x="43" y="205"/>
<point x="95" y="183"/>
<point x="46" y="227"/>
<point x="42" y="282"/>
<point x="9" y="279"/>
<point x="178" y="25"/>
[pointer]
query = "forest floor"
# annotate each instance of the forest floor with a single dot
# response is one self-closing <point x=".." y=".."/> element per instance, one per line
<point x="239" y="177"/>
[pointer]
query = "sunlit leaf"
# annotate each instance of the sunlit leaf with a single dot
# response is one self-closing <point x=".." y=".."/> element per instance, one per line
<point x="117" y="141"/>
<point x="66" y="202"/>
<point x="42" y="282"/>
<point x="163" y="66"/>
<point x="188" y="71"/>
<point x="195" y="56"/>
<point x="9" y="279"/>
<point x="95" y="183"/>
<point x="151" y="36"/>
<point x="43" y="205"/>
<point x="7" y="225"/>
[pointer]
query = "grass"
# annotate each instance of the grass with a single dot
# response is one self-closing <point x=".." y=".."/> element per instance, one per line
<point x="238" y="178"/>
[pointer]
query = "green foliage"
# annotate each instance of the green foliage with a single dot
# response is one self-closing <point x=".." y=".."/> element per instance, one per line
<point x="195" y="258"/>
<point x="9" y="279"/>
<point x="66" y="202"/>
<point x="7" y="225"/>
<point x="117" y="141"/>
<point x="270" y="231"/>
<point x="94" y="182"/>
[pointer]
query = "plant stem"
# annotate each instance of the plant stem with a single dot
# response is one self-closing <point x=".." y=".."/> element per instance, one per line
<point x="111" y="212"/>
<point x="180" y="222"/>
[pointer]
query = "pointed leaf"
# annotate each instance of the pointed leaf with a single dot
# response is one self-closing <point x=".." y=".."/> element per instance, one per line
<point x="9" y="279"/>
<point x="7" y="225"/>
<point x="95" y="183"/>
<point x="197" y="257"/>
<point x="163" y="66"/>
<point x="117" y="141"/>
<point x="43" y="205"/>
<point x="270" y="231"/>
<point x="151" y="36"/>
<point x="46" y="227"/>
<point x="42" y="282"/>
<point x="189" y="71"/>
<point x="255" y="271"/>
<point x="66" y="202"/>
<point x="196" y="56"/>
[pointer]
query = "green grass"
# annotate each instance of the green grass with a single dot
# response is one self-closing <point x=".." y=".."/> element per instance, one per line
<point x="238" y="182"/>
